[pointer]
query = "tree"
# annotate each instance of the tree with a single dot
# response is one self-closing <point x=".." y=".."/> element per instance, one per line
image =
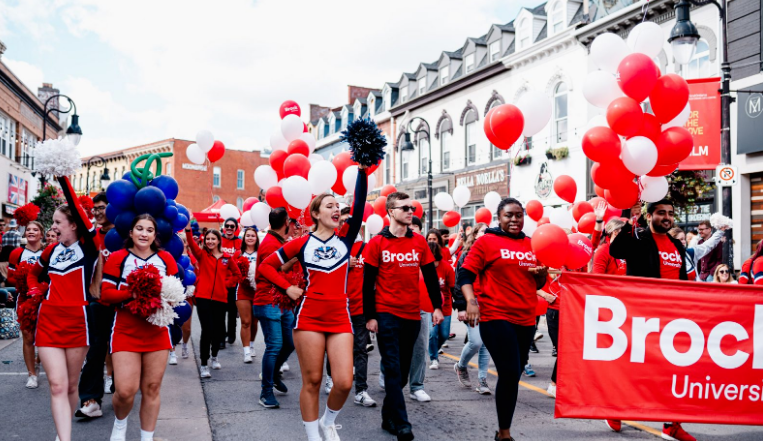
<point x="48" y="199"/>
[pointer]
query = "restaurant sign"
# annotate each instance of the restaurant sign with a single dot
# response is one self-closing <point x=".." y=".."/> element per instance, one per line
<point x="485" y="180"/>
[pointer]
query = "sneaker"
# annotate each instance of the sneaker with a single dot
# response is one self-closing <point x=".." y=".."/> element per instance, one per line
<point x="445" y="345"/>
<point x="279" y="386"/>
<point x="184" y="352"/>
<point x="551" y="390"/>
<point x="381" y="381"/>
<point x="173" y="359"/>
<point x="204" y="372"/>
<point x="482" y="387"/>
<point x="329" y="432"/>
<point x="231" y="340"/>
<point x="462" y="375"/>
<point x="614" y="425"/>
<point x="247" y="357"/>
<point x="451" y="336"/>
<point x="268" y="401"/>
<point x="284" y="367"/>
<point x="675" y="432"/>
<point x="369" y="347"/>
<point x="533" y="348"/>
<point x="108" y="385"/>
<point x="405" y="433"/>
<point x="435" y="365"/>
<point x="538" y="336"/>
<point x="91" y="409"/>
<point x="441" y="351"/>
<point x="222" y="345"/>
<point x="553" y="351"/>
<point x="215" y="363"/>
<point x="365" y="400"/>
<point x="421" y="396"/>
<point x="329" y="385"/>
<point x="251" y="351"/>
<point x="118" y="433"/>
<point x="31" y="382"/>
<point x="529" y="370"/>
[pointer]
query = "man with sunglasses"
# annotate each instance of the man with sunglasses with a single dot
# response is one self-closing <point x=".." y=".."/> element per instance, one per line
<point x="231" y="245"/>
<point x="391" y="303"/>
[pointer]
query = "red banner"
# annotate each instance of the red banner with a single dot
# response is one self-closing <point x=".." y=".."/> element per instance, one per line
<point x="660" y="350"/>
<point x="704" y="124"/>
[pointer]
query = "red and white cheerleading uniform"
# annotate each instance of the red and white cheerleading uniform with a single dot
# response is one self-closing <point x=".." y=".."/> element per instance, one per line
<point x="18" y="256"/>
<point x="130" y="332"/>
<point x="244" y="290"/>
<point x="752" y="272"/>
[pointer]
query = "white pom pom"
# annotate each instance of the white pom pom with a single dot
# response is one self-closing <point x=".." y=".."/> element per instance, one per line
<point x="717" y="220"/>
<point x="163" y="316"/>
<point x="252" y="273"/>
<point x="173" y="293"/>
<point x="189" y="291"/>
<point x="57" y="157"/>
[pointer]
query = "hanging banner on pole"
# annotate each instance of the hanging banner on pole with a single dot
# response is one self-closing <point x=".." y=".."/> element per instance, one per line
<point x="704" y="124"/>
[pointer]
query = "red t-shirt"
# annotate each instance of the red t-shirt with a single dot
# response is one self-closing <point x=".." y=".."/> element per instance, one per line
<point x="604" y="263"/>
<point x="399" y="260"/>
<point x="446" y="256"/>
<point x="231" y="246"/>
<point x="670" y="260"/>
<point x="508" y="288"/>
<point x="355" y="280"/>
<point x="269" y="245"/>
<point x="552" y="287"/>
<point x="752" y="272"/>
<point x="447" y="279"/>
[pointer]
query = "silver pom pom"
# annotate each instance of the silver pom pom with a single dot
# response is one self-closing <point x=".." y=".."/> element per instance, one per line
<point x="58" y="157"/>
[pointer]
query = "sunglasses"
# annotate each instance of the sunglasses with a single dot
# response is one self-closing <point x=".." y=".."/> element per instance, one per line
<point x="230" y="227"/>
<point x="405" y="208"/>
<point x="723" y="271"/>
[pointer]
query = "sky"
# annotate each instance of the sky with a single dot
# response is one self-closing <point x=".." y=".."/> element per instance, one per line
<point x="140" y="71"/>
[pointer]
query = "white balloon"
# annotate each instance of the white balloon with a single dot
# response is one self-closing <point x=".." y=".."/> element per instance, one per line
<point x="530" y="226"/>
<point x="349" y="177"/>
<point x="296" y="191"/>
<point x="322" y="176"/>
<point x="646" y="38"/>
<point x="600" y="88"/>
<point x="607" y="51"/>
<point x="597" y="121"/>
<point x="278" y="142"/>
<point x="195" y="155"/>
<point x="260" y="214"/>
<point x="443" y="201"/>
<point x="314" y="158"/>
<point x="492" y="199"/>
<point x="374" y="224"/>
<point x="309" y="139"/>
<point x="461" y="195"/>
<point x="536" y="108"/>
<point x="654" y="188"/>
<point x="228" y="211"/>
<point x="547" y="210"/>
<point x="246" y="219"/>
<point x="639" y="155"/>
<point x="291" y="127"/>
<point x="265" y="177"/>
<point x="205" y="140"/>
<point x="679" y="120"/>
<point x="371" y="181"/>
<point x="562" y="217"/>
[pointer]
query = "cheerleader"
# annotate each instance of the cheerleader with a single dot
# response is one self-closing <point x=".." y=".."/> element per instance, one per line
<point x="30" y="254"/>
<point x="51" y="237"/>
<point x="322" y="323"/>
<point x="139" y="349"/>
<point x="245" y="294"/>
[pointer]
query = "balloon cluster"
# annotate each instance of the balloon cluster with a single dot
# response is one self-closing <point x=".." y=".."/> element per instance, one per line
<point x="505" y="124"/>
<point x="206" y="147"/>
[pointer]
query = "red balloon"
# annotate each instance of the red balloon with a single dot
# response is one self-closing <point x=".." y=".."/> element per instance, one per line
<point x="274" y="197"/>
<point x="304" y="130"/>
<point x="581" y="208"/>
<point x="296" y="165"/>
<point x="367" y="211"/>
<point x="543" y="221"/>
<point x="483" y="215"/>
<point x="549" y="243"/>
<point x="342" y="161"/>
<point x="387" y="190"/>
<point x="663" y="170"/>
<point x="300" y="147"/>
<point x="370" y="170"/>
<point x="419" y="211"/>
<point x="579" y="251"/>
<point x="610" y="175"/>
<point x="669" y="97"/>
<point x="637" y="74"/>
<point x="217" y="151"/>
<point x="624" y="116"/>
<point x="451" y="219"/>
<point x="597" y="200"/>
<point x="489" y="131"/>
<point x="295" y="213"/>
<point x="451" y="240"/>
<point x="276" y="161"/>
<point x="587" y="223"/>
<point x="386" y="221"/>
<point x="612" y="212"/>
<point x="380" y="206"/>
<point x="623" y="197"/>
<point x="601" y="144"/>
<point x="289" y="107"/>
<point x="566" y="188"/>
<point x="249" y="203"/>
<point x="675" y="145"/>
<point x="650" y="128"/>
<point x="534" y="210"/>
<point x="507" y="124"/>
<point x="598" y="190"/>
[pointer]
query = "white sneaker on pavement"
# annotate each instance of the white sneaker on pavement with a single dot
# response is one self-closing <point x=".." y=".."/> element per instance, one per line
<point x="184" y="352"/>
<point x="538" y="336"/>
<point x="329" y="385"/>
<point x="329" y="432"/>
<point x="482" y="387"/>
<point x="365" y="400"/>
<point x="284" y="367"/>
<point x="173" y="359"/>
<point x="551" y="390"/>
<point x="204" y="372"/>
<point x="91" y="409"/>
<point x="31" y="382"/>
<point x="118" y="433"/>
<point x="435" y="365"/>
<point x="421" y="396"/>
<point x="215" y="363"/>
<point x="107" y="384"/>
<point x="247" y="358"/>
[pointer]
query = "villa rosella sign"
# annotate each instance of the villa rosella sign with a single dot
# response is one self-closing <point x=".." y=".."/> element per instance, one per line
<point x="660" y="350"/>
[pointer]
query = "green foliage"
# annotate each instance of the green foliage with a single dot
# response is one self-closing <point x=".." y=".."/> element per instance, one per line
<point x="48" y="199"/>
<point x="688" y="186"/>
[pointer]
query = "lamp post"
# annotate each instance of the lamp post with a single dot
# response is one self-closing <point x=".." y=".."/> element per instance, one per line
<point x="97" y="161"/>
<point x="74" y="132"/>
<point x="408" y="146"/>
<point x="683" y="39"/>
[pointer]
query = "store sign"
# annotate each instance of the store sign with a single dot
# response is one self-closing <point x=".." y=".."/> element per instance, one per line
<point x="544" y="183"/>
<point x="9" y="209"/>
<point x="750" y="121"/>
<point x="187" y="166"/>
<point x="485" y="180"/>
<point x="704" y="124"/>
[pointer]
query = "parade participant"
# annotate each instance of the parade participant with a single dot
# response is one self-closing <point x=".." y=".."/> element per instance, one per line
<point x="707" y="264"/>
<point x="51" y="237"/>
<point x="186" y="328"/>
<point x="438" y="334"/>
<point x="30" y="253"/>
<point x="603" y="262"/>
<point x="652" y="252"/>
<point x="323" y="322"/>
<point x="394" y="258"/>
<point x="245" y="294"/>
<point x="211" y="294"/>
<point x="752" y="268"/>
<point x="695" y="254"/>
<point x="723" y="274"/>
<point x="416" y="225"/>
<point x="231" y="244"/>
<point x="510" y="277"/>
<point x="139" y="348"/>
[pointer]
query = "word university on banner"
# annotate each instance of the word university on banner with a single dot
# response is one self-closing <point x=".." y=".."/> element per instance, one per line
<point x="660" y="350"/>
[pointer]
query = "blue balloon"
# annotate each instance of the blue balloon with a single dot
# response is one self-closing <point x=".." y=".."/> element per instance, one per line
<point x="124" y="222"/>
<point x="180" y="222"/>
<point x="176" y="334"/>
<point x="164" y="230"/>
<point x="183" y="210"/>
<point x="190" y="277"/>
<point x="170" y="212"/>
<point x="127" y="176"/>
<point x="172" y="202"/>
<point x="167" y="184"/>
<point x="112" y="212"/>
<point x="150" y="200"/>
<point x="121" y="193"/>
<point x="113" y="240"/>
<point x="183" y="311"/>
<point x="184" y="261"/>
<point x="175" y="246"/>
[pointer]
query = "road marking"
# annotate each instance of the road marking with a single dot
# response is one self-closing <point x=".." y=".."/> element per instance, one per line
<point x="18" y="373"/>
<point x="633" y="424"/>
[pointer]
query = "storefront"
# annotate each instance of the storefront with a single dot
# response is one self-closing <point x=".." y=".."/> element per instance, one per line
<point x="481" y="182"/>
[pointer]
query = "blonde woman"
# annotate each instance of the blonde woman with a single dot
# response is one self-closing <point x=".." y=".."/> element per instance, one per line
<point x="723" y="275"/>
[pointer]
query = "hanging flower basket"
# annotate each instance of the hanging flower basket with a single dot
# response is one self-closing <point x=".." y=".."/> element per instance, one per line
<point x="523" y="160"/>
<point x="558" y="153"/>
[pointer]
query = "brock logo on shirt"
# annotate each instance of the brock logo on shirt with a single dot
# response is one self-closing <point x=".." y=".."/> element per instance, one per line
<point x="405" y="259"/>
<point x="671" y="259"/>
<point x="523" y="258"/>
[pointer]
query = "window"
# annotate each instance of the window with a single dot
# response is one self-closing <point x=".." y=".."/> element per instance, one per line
<point x="7" y="135"/>
<point x="404" y="94"/>
<point x="445" y="146"/>
<point x="124" y="170"/>
<point x="240" y="204"/>
<point x="405" y="158"/>
<point x="332" y="125"/>
<point x="167" y="170"/>
<point x="240" y="180"/>
<point x="495" y="151"/>
<point x="371" y="107"/>
<point x="387" y="169"/>
<point x="444" y="75"/>
<point x="471" y="137"/>
<point x="215" y="198"/>
<point x="699" y="66"/>
<point x="387" y="98"/>
<point x="28" y="142"/>
<point x="424" y="149"/>
<point x="560" y="113"/>
<point x="524" y="33"/>
<point x="216" y="176"/>
<point x="343" y="122"/>
<point x="469" y="62"/>
<point x="495" y="50"/>
<point x="422" y="83"/>
<point x="557" y="17"/>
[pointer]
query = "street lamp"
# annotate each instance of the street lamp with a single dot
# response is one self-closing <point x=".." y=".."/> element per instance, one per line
<point x="97" y="161"/>
<point x="684" y="36"/>
<point x="105" y="179"/>
<point x="74" y="132"/>
<point x="408" y="146"/>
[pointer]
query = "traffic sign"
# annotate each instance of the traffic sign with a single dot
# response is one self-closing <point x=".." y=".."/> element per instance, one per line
<point x="726" y="175"/>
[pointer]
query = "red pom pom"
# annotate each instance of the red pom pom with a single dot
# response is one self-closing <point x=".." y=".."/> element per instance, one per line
<point x="280" y="299"/>
<point x="87" y="203"/>
<point x="243" y="267"/>
<point x="145" y="284"/>
<point x="27" y="307"/>
<point x="26" y="214"/>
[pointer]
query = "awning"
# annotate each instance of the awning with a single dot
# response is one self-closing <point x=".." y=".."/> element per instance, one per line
<point x="211" y="213"/>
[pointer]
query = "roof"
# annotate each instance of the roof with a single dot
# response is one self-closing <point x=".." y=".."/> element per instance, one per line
<point x="539" y="10"/>
<point x="508" y="27"/>
<point x="430" y="66"/>
<point x="376" y="93"/>
<point x="579" y="16"/>
<point x="543" y="33"/>
<point x="139" y="147"/>
<point x="362" y="100"/>
<point x="456" y="54"/>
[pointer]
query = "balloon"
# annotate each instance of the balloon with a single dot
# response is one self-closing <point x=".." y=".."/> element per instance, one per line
<point x="598" y="121"/>
<point x="637" y="75"/>
<point x="598" y="190"/>
<point x="314" y="158"/>
<point x="260" y="215"/>
<point x="492" y="199"/>
<point x="669" y="97"/>
<point x="180" y="222"/>
<point x="368" y="210"/>
<point x="341" y="162"/>
<point x="246" y="219"/>
<point x="646" y="38"/>
<point x="419" y="210"/>
<point x="163" y="230"/>
<point x="579" y="251"/>
<point x="543" y="221"/>
<point x="549" y="243"/>
<point x="681" y="119"/>
<point x="217" y="152"/>
<point x="674" y="145"/>
<point x="380" y="206"/>
<point x="113" y="241"/>
<point x="150" y="200"/>
<point x="587" y="223"/>
<point x="388" y="190"/>
<point x="374" y="224"/>
<point x="190" y="277"/>
<point x="249" y="203"/>
<point x="277" y="159"/>
<point x="167" y="184"/>
<point x="291" y="127"/>
<point x="121" y="193"/>
<point x="124" y="223"/>
<point x="183" y="310"/>
<point x="112" y="212"/>
<point x="296" y="165"/>
<point x="623" y="197"/>
<point x="639" y="155"/>
<point x="650" y="128"/>
<point x="205" y="140"/>
<point x="529" y="227"/>
<point x="654" y="188"/>
<point x="565" y="188"/>
<point x="607" y="50"/>
<point x="228" y="211"/>
<point x="371" y="182"/>
<point x="495" y="140"/>
<point x="610" y="175"/>
<point x="534" y="209"/>
<point x="451" y="219"/>
<point x="562" y="217"/>
<point x="483" y="215"/>
<point x="443" y="201"/>
<point x="581" y="208"/>
<point x="309" y="139"/>
<point x="536" y="110"/>
<point x="597" y="200"/>
<point x="300" y="147"/>
<point x="386" y="221"/>
<point x="461" y="195"/>
<point x="601" y="144"/>
<point x="182" y="210"/>
<point x="278" y="142"/>
<point x="507" y="123"/>
<point x="289" y="107"/>
<point x="296" y="191"/>
<point x="663" y="170"/>
<point x="600" y="88"/>
<point x="184" y="261"/>
<point x="195" y="154"/>
<point x="322" y="176"/>
<point x="349" y="178"/>
<point x="265" y="177"/>
<point x="624" y="116"/>
<point x="274" y="197"/>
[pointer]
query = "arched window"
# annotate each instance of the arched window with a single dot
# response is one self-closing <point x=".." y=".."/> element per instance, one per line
<point x="560" y="113"/>
<point x="524" y="33"/>
<point x="557" y="17"/>
<point x="240" y="204"/>
<point x="495" y="151"/>
<point x="471" y="135"/>
<point x="446" y="128"/>
<point x="699" y="66"/>
<point x="423" y="141"/>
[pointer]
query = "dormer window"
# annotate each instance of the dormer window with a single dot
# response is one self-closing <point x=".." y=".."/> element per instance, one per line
<point x="422" y="83"/>
<point x="495" y="50"/>
<point x="469" y="62"/>
<point x="371" y="107"/>
<point x="524" y="33"/>
<point x="404" y="94"/>
<point x="444" y="75"/>
<point x="388" y="98"/>
<point x="557" y="17"/>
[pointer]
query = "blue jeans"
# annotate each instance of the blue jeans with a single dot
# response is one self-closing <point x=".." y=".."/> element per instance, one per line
<point x="437" y="336"/>
<point x="277" y="329"/>
<point x="419" y="360"/>
<point x="471" y="348"/>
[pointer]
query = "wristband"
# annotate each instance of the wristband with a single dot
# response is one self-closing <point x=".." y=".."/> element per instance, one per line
<point x="598" y="221"/>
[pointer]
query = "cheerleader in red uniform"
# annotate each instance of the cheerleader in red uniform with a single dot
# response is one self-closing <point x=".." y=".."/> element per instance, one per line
<point x="139" y="349"/>
<point x="245" y="294"/>
<point x="322" y="324"/>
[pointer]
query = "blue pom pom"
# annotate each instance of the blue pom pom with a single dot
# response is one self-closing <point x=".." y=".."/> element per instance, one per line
<point x="366" y="142"/>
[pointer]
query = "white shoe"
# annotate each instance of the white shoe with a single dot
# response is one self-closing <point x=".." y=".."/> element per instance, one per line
<point x="184" y="352"/>
<point x="284" y="367"/>
<point x="435" y="365"/>
<point x="421" y="396"/>
<point x="538" y="336"/>
<point x="204" y="372"/>
<point x="118" y="434"/>
<point x="329" y="432"/>
<point x="365" y="400"/>
<point x="107" y="384"/>
<point x="251" y="350"/>
<point x="31" y="382"/>
<point x="445" y="345"/>
<point x="381" y="381"/>
<point x="173" y="359"/>
<point x="329" y="385"/>
<point x="215" y="363"/>
<point x="551" y="390"/>
<point x="247" y="357"/>
<point x="92" y="410"/>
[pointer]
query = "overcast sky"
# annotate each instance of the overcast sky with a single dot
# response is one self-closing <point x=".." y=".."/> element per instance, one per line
<point x="140" y="71"/>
